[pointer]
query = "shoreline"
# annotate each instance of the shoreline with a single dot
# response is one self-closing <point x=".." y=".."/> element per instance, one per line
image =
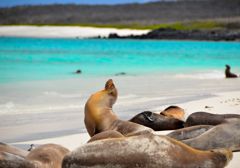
<point x="64" y="31"/>
<point x="85" y="32"/>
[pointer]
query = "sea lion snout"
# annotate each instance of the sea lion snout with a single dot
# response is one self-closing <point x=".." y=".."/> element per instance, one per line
<point x="110" y="88"/>
<point x="109" y="84"/>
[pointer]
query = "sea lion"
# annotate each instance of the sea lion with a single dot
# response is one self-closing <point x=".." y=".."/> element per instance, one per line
<point x="12" y="157"/>
<point x="204" y="118"/>
<point x="100" y="117"/>
<point x="47" y="156"/>
<point x="9" y="160"/>
<point x="144" y="151"/>
<point x="189" y="132"/>
<point x="174" y="111"/>
<point x="105" y="135"/>
<point x="225" y="135"/>
<point x="157" y="122"/>
<point x="228" y="73"/>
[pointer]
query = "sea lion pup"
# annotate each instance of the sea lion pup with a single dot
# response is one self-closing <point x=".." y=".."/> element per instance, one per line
<point x="174" y="112"/>
<point x="157" y="122"/>
<point x="13" y="150"/>
<point x="228" y="73"/>
<point x="47" y="156"/>
<point x="99" y="116"/>
<point x="225" y="135"/>
<point x="106" y="134"/>
<point x="189" y="132"/>
<point x="144" y="151"/>
<point x="204" y="118"/>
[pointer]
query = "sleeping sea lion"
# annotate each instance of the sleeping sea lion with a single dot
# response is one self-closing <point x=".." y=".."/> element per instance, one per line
<point x="100" y="117"/>
<point x="13" y="150"/>
<point x="144" y="151"/>
<point x="204" y="118"/>
<point x="174" y="111"/>
<point x="189" y="132"/>
<point x="157" y="122"/>
<point x="9" y="160"/>
<point x="225" y="135"/>
<point x="47" y="156"/>
<point x="12" y="157"/>
<point x="228" y="73"/>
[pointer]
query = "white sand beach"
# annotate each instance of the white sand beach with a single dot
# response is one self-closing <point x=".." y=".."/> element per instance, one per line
<point x="225" y="102"/>
<point x="64" y="31"/>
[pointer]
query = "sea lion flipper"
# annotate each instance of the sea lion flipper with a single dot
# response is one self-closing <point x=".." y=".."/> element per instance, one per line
<point x="149" y="116"/>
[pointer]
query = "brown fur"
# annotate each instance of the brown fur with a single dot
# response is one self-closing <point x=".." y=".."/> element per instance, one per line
<point x="174" y="112"/>
<point x="47" y="156"/>
<point x="225" y="135"/>
<point x="12" y="157"/>
<point x="144" y="151"/>
<point x="106" y="134"/>
<point x="189" y="132"/>
<point x="99" y="116"/>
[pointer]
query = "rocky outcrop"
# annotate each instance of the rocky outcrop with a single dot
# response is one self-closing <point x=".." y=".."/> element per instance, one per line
<point x="173" y="34"/>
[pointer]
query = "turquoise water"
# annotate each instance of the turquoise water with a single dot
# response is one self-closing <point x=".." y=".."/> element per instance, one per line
<point x="24" y="59"/>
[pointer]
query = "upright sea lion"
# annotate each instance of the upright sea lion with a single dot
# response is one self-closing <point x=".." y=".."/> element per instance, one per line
<point x="144" y="151"/>
<point x="157" y="122"/>
<point x="228" y="73"/>
<point x="204" y="118"/>
<point x="174" y="111"/>
<point x="189" y="132"/>
<point x="47" y="156"/>
<point x="100" y="117"/>
<point x="225" y="135"/>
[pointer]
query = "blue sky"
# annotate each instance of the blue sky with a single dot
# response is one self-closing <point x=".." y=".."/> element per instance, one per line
<point x="7" y="3"/>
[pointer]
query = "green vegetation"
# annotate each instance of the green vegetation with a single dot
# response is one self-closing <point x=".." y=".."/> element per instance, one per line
<point x="196" y="25"/>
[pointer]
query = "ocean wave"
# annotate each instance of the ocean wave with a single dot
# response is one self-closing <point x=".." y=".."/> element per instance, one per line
<point x="203" y="75"/>
<point x="11" y="108"/>
<point x="52" y="93"/>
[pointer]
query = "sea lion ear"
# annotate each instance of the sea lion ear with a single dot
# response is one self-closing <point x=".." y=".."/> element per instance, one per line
<point x="109" y="85"/>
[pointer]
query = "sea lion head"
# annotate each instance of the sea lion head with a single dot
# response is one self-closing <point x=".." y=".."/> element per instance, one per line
<point x="110" y="92"/>
<point x="228" y="67"/>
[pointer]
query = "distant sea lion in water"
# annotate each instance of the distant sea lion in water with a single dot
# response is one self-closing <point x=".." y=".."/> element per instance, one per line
<point x="228" y="73"/>
<point x="99" y="116"/>
<point x="144" y="151"/>
<point x="225" y="135"/>
<point x="79" y="71"/>
<point x="204" y="118"/>
<point x="174" y="112"/>
<point x="189" y="132"/>
<point x="157" y="122"/>
<point x="47" y="156"/>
